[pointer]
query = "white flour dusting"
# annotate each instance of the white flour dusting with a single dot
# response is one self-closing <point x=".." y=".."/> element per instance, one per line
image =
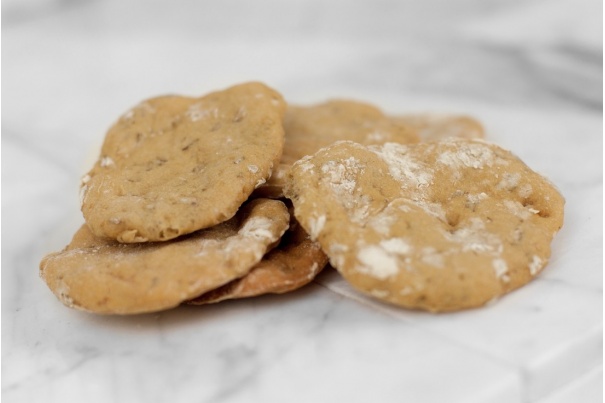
<point x="106" y="162"/>
<point x="474" y="237"/>
<point x="471" y="155"/>
<point x="509" y="181"/>
<point x="198" y="112"/>
<point x="377" y="262"/>
<point x="316" y="225"/>
<point x="535" y="265"/>
<point x="430" y="256"/>
<point x="341" y="178"/>
<point x="501" y="269"/>
<point x="518" y="210"/>
<point x="402" y="167"/>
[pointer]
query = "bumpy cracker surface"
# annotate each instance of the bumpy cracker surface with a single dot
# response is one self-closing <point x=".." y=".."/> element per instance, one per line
<point x="173" y="165"/>
<point x="108" y="277"/>
<point x="431" y="126"/>
<point x="292" y="264"/>
<point x="426" y="126"/>
<point x="309" y="128"/>
<point x="437" y="226"/>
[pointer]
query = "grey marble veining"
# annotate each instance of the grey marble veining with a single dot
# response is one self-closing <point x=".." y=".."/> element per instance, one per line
<point x="530" y="70"/>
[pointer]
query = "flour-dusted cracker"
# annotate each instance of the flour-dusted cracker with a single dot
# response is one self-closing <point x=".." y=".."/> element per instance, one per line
<point x="292" y="264"/>
<point x="309" y="128"/>
<point x="173" y="165"/>
<point x="439" y="226"/>
<point x="104" y="276"/>
<point x="435" y="126"/>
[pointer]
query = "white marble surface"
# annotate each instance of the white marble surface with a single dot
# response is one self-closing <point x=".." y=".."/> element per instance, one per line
<point x="530" y="70"/>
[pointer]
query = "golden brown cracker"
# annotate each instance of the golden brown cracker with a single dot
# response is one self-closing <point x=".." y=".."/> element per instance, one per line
<point x="173" y="165"/>
<point x="104" y="276"/>
<point x="439" y="226"/>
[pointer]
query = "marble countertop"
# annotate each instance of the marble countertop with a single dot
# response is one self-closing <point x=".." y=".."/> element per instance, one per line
<point x="531" y="71"/>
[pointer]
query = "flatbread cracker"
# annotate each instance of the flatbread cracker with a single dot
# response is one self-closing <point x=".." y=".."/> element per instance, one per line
<point x="174" y="165"/>
<point x="107" y="277"/>
<point x="440" y="226"/>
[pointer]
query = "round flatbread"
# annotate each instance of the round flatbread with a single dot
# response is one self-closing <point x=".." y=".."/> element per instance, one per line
<point x="173" y="165"/>
<point x="104" y="276"/>
<point x="438" y="226"/>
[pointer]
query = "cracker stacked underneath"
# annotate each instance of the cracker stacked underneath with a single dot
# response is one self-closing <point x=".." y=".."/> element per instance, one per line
<point x="186" y="205"/>
<point x="168" y="211"/>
